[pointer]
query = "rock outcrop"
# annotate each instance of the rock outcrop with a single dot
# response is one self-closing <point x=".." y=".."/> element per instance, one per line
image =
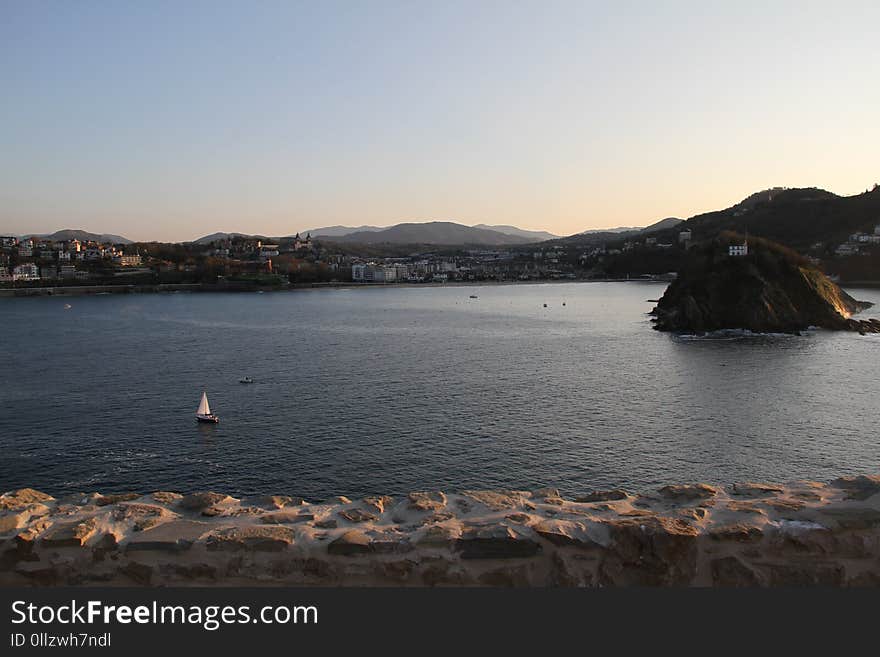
<point x="770" y="290"/>
<point x="746" y="534"/>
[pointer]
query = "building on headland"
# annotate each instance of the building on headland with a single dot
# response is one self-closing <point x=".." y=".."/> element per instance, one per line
<point x="684" y="236"/>
<point x="5" y="276"/>
<point x="737" y="250"/>
<point x="49" y="272"/>
<point x="8" y="242"/>
<point x="67" y="271"/>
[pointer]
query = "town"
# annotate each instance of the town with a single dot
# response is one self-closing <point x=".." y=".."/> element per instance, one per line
<point x="235" y="262"/>
<point x="239" y="262"/>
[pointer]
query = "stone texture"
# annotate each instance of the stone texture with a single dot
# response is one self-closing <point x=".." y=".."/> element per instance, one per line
<point x="858" y="488"/>
<point x="22" y="497"/>
<point x="799" y="534"/>
<point x="115" y="498"/>
<point x="202" y="501"/>
<point x="352" y="542"/>
<point x="69" y="534"/>
<point x="263" y="538"/>
<point x="427" y="501"/>
<point x="603" y="496"/>
<point x="495" y="542"/>
<point x="173" y="536"/>
<point x="750" y="489"/>
<point x="689" y="492"/>
<point x="357" y="515"/>
<point x="496" y="500"/>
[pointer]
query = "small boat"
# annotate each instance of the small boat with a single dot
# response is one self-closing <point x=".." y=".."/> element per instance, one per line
<point x="473" y="296"/>
<point x="67" y="306"/>
<point x="204" y="414"/>
<point x="246" y="379"/>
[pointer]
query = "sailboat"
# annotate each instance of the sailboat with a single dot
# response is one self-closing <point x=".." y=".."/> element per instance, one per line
<point x="203" y="414"/>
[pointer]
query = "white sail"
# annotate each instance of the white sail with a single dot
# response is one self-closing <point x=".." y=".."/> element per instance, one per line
<point x="204" y="409"/>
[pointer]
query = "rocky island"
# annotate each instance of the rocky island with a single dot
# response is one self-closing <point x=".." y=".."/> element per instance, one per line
<point x="753" y="284"/>
<point x="803" y="533"/>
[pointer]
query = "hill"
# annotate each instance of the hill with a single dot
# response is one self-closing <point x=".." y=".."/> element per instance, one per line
<point x="531" y="235"/>
<point x="340" y="231"/>
<point x="772" y="289"/>
<point x="83" y="236"/>
<point x="215" y="237"/>
<point x="434" y="232"/>
<point x="799" y="217"/>
<point x="344" y="231"/>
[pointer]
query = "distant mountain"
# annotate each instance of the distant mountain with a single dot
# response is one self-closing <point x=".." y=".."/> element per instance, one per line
<point x="216" y="237"/>
<point x="83" y="236"/>
<point x="343" y="231"/>
<point x="434" y="232"/>
<point x="340" y="231"/>
<point x="619" y="229"/>
<point x="663" y="224"/>
<point x="531" y="235"/>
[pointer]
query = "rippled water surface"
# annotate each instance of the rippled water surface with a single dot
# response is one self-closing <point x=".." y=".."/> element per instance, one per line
<point x="387" y="390"/>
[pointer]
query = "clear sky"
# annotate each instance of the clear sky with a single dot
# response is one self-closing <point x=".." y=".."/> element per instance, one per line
<point x="170" y="120"/>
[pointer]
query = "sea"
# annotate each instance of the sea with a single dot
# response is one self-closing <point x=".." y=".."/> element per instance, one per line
<point x="386" y="390"/>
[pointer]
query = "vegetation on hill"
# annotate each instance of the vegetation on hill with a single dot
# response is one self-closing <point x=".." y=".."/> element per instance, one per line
<point x="773" y="289"/>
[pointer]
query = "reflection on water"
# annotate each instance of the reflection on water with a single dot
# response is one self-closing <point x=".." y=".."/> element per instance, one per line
<point x="386" y="390"/>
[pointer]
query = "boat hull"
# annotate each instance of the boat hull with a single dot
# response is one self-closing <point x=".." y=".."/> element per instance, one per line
<point x="207" y="419"/>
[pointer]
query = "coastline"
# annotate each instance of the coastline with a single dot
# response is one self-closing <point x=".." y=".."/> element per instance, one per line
<point x="92" y="290"/>
<point x="803" y="533"/>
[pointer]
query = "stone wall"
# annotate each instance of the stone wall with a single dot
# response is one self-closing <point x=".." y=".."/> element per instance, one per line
<point x="799" y="534"/>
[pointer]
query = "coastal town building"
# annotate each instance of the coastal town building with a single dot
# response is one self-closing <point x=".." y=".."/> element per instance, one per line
<point x="127" y="260"/>
<point x="26" y="272"/>
<point x="738" y="250"/>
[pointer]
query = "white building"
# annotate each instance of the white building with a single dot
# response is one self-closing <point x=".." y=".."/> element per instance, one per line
<point x="26" y="272"/>
<point x="127" y="260"/>
<point x="737" y="250"/>
<point x="684" y="236"/>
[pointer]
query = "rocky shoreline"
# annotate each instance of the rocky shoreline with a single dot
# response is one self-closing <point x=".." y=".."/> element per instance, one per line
<point x="757" y="535"/>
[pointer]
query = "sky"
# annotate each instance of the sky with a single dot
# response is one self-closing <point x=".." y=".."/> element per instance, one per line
<point x="170" y="120"/>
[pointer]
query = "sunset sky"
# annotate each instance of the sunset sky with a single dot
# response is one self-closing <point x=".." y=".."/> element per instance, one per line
<point x="170" y="120"/>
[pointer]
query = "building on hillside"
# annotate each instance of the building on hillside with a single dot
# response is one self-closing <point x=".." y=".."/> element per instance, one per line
<point x="302" y="242"/>
<point x="738" y="250"/>
<point x="127" y="260"/>
<point x="49" y="272"/>
<point x="684" y="236"/>
<point x="5" y="276"/>
<point x="26" y="272"/>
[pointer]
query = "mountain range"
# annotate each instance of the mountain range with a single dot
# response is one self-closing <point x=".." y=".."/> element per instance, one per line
<point x="435" y="232"/>
<point x="83" y="236"/>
